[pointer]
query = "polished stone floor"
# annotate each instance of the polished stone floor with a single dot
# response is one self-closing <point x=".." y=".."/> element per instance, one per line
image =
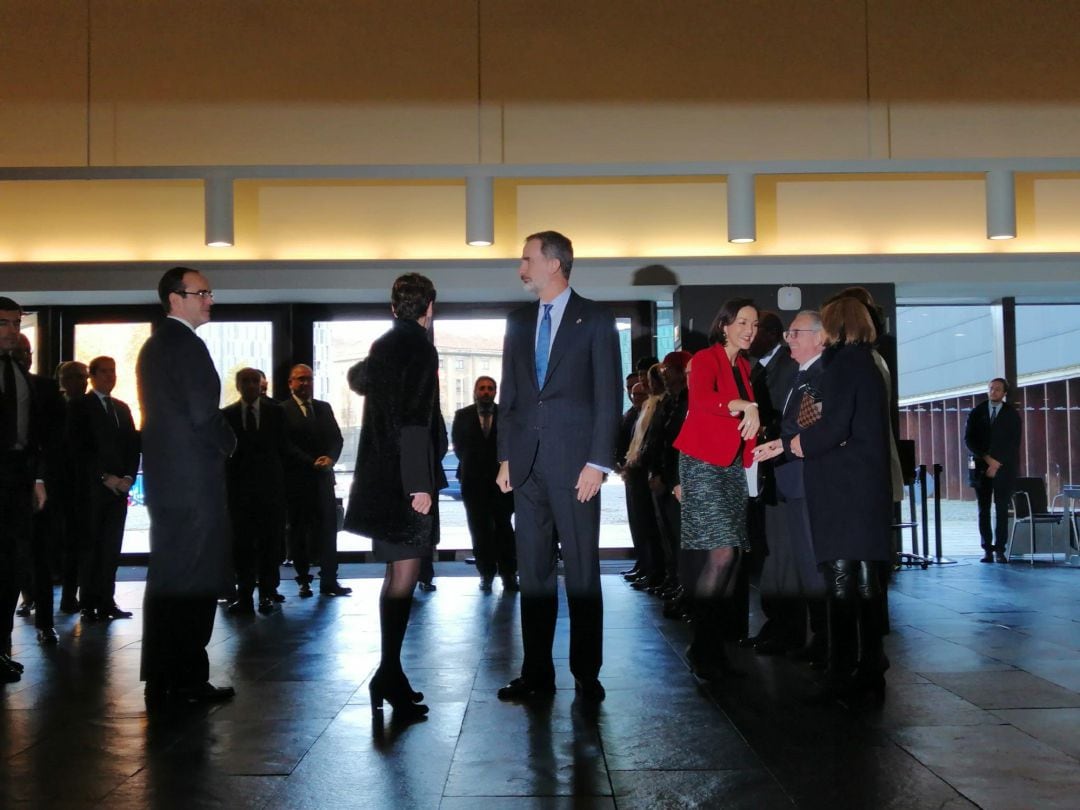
<point x="982" y="710"/>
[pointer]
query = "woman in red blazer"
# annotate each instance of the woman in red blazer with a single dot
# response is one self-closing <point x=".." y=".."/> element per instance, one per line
<point x="715" y="445"/>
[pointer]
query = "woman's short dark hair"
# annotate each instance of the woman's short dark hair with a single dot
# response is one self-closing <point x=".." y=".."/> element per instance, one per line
<point x="729" y="310"/>
<point x="411" y="295"/>
<point x="171" y="282"/>
<point x="555" y="246"/>
<point x="847" y="320"/>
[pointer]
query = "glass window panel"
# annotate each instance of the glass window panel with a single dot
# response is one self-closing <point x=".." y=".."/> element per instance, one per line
<point x="29" y="328"/>
<point x="235" y="345"/>
<point x="122" y="342"/>
<point x="471" y="347"/>
<point x="943" y="349"/>
<point x="1047" y="338"/>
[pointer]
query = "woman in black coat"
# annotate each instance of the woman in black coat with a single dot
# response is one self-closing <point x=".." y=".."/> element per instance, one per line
<point x="849" y="495"/>
<point x="394" y="493"/>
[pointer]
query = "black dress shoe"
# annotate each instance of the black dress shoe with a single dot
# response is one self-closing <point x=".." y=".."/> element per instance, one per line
<point x="305" y="590"/>
<point x="69" y="605"/>
<point x="485" y="584"/>
<point x="266" y="605"/>
<point x="520" y="689"/>
<point x="592" y="691"/>
<point x="48" y="637"/>
<point x="426" y="587"/>
<point x="334" y="589"/>
<point x="510" y="584"/>
<point x="90" y="615"/>
<point x="25" y="609"/>
<point x="277" y="597"/>
<point x="9" y="675"/>
<point x="630" y="573"/>
<point x="241" y="607"/>
<point x="10" y="663"/>
<point x="115" y="612"/>
<point x="1000" y="557"/>
<point x="987" y="557"/>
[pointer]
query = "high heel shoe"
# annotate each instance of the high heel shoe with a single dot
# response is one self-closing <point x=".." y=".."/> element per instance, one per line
<point x="397" y="693"/>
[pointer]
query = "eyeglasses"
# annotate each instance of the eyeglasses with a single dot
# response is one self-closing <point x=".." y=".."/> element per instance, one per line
<point x="789" y="334"/>
<point x="205" y="295"/>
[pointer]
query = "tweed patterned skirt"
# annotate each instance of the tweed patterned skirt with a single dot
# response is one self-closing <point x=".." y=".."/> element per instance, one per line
<point x="713" y="505"/>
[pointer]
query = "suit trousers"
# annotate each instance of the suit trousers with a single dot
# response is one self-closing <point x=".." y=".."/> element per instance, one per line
<point x="258" y="531"/>
<point x="790" y="578"/>
<point x="46" y="523"/>
<point x="997" y="490"/>
<point x="16" y="511"/>
<point x="544" y="506"/>
<point x="103" y="537"/>
<point x="669" y="520"/>
<point x="644" y="528"/>
<point x="176" y="630"/>
<point x="488" y="512"/>
<point x="313" y="528"/>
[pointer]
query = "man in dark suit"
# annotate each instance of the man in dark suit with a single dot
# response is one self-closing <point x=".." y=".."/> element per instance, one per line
<point x="24" y="441"/>
<point x="102" y="439"/>
<point x="790" y="580"/>
<point x="771" y="377"/>
<point x="561" y="396"/>
<point x="487" y="508"/>
<point x="73" y="377"/>
<point x="185" y="441"/>
<point x="309" y="478"/>
<point x="255" y="479"/>
<point x="993" y="436"/>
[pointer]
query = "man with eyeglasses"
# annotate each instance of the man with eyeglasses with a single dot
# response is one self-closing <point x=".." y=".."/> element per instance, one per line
<point x="790" y="580"/>
<point x="185" y="441"/>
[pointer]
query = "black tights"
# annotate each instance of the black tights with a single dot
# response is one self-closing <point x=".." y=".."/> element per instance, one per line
<point x="395" y="604"/>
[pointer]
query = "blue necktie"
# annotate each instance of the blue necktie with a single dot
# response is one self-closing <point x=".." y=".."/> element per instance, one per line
<point x="543" y="346"/>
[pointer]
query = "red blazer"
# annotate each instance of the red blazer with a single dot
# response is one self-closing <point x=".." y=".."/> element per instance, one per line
<point x="710" y="433"/>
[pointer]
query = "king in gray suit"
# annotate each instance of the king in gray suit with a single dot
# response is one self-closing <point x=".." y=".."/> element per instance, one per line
<point x="185" y="443"/>
<point x="560" y="411"/>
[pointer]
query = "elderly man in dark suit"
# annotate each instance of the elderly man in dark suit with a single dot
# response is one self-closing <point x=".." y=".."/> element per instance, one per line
<point x="22" y="477"/>
<point x="790" y="579"/>
<point x="314" y="433"/>
<point x="487" y="509"/>
<point x="185" y="441"/>
<point x="561" y="396"/>
<point x="103" y="441"/>
<point x="993" y="435"/>
<point x="255" y="478"/>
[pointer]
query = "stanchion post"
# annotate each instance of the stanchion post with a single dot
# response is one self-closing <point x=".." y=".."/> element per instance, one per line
<point x="937" y="511"/>
<point x="925" y="513"/>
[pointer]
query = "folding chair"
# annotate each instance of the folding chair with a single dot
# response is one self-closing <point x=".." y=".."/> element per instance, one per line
<point x="1030" y="507"/>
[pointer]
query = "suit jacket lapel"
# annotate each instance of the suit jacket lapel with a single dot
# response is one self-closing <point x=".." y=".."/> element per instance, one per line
<point x="567" y="334"/>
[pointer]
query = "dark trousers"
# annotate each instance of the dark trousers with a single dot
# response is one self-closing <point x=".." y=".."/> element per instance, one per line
<point x="44" y="528"/>
<point x="313" y="528"/>
<point x="16" y="510"/>
<point x="258" y="528"/>
<point x="997" y="490"/>
<point x="669" y="522"/>
<point x="72" y="525"/>
<point x="176" y="630"/>
<point x="103" y="537"/>
<point x="488" y="512"/>
<point x="790" y="579"/>
<point x="543" y="506"/>
<point x="644" y="529"/>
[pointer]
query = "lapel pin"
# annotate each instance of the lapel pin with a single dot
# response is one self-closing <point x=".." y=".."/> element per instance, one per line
<point x="578" y="320"/>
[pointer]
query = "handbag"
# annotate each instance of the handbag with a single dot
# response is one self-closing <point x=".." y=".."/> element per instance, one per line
<point x="809" y="408"/>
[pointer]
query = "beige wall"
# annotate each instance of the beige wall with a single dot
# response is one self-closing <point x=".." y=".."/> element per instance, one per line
<point x="132" y="82"/>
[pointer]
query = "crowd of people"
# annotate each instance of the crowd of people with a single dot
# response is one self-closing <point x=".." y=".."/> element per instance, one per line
<point x="771" y="447"/>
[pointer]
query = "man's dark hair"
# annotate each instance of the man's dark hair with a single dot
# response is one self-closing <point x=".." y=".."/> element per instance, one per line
<point x="1003" y="381"/>
<point x="555" y="246"/>
<point x="645" y="363"/>
<point x="171" y="282"/>
<point x="7" y="305"/>
<point x="95" y="364"/>
<point x="481" y="378"/>
<point x="729" y="310"/>
<point x="411" y="295"/>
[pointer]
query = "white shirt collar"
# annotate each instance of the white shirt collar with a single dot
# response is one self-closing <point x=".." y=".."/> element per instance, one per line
<point x="185" y="323"/>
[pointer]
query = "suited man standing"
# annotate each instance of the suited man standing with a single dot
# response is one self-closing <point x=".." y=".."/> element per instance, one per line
<point x="561" y="397"/>
<point x="24" y="436"/>
<point x="105" y="445"/>
<point x="255" y="482"/>
<point x="790" y="579"/>
<point x="487" y="508"/>
<point x="185" y="441"/>
<point x="313" y="431"/>
<point x="993" y="436"/>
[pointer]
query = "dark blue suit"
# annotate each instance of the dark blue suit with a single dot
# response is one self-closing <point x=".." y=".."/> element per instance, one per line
<point x="548" y="433"/>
